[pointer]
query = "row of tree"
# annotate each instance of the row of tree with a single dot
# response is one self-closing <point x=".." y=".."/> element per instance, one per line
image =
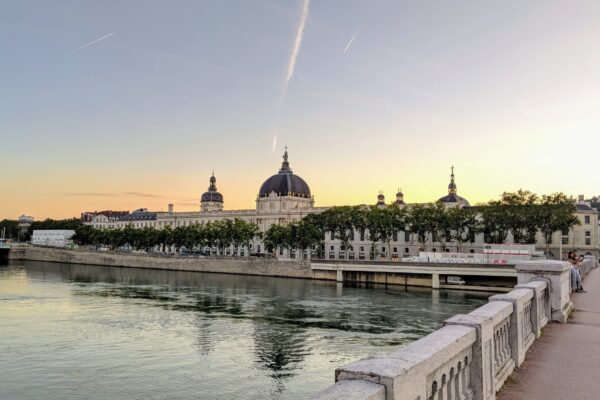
<point x="219" y="235"/>
<point x="522" y="214"/>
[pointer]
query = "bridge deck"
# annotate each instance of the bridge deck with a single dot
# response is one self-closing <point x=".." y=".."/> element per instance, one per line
<point x="565" y="362"/>
<point x="418" y="268"/>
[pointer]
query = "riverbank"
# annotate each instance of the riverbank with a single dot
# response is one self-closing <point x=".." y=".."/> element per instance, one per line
<point x="429" y="275"/>
<point x="224" y="265"/>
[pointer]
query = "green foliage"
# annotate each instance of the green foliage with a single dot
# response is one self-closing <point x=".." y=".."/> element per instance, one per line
<point x="220" y="235"/>
<point x="10" y="228"/>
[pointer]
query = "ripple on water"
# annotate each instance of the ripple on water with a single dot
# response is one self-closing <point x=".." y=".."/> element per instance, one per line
<point x="72" y="332"/>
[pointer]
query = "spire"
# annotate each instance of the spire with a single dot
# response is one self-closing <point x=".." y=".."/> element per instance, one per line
<point x="213" y="181"/>
<point x="285" y="165"/>
<point x="452" y="185"/>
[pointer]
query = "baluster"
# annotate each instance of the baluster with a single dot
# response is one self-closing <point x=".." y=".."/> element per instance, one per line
<point x="433" y="391"/>
<point x="468" y="393"/>
<point x="459" y="383"/>
<point x="451" y="385"/>
<point x="442" y="392"/>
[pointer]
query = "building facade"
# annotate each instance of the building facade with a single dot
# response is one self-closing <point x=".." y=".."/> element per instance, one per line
<point x="285" y="197"/>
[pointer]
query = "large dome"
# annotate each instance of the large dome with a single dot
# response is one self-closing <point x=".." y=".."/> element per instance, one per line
<point x="285" y="183"/>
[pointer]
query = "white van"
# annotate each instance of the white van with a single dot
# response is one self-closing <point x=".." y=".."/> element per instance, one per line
<point x="455" y="280"/>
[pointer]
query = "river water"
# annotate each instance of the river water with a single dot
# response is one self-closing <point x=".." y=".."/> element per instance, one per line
<point x="89" y="332"/>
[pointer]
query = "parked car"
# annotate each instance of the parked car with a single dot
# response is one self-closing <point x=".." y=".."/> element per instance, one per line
<point x="455" y="280"/>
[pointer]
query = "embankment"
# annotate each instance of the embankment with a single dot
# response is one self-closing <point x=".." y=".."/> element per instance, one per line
<point x="226" y="265"/>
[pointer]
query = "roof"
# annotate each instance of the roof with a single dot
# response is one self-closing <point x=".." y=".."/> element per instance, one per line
<point x="454" y="198"/>
<point x="584" y="207"/>
<point x="139" y="216"/>
<point x="285" y="183"/>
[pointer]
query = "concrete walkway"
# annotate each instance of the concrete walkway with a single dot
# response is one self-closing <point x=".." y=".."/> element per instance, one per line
<point x="565" y="362"/>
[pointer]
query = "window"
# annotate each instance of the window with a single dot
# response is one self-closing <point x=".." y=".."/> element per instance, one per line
<point x="395" y="236"/>
<point x="383" y="249"/>
<point x="362" y="235"/>
<point x="588" y="234"/>
<point x="565" y="240"/>
<point x="587" y="219"/>
<point x="362" y="248"/>
<point x="395" y="249"/>
<point x="331" y="248"/>
<point x="565" y="232"/>
<point x="472" y="237"/>
<point x="332" y="236"/>
<point x="407" y="236"/>
<point x="472" y="251"/>
<point x="588" y="241"/>
<point x="406" y="250"/>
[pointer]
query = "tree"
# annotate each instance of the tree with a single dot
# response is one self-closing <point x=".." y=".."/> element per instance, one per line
<point x="276" y="237"/>
<point x="420" y="222"/>
<point x="521" y="216"/>
<point x="463" y="225"/>
<point x="303" y="235"/>
<point x="556" y="215"/>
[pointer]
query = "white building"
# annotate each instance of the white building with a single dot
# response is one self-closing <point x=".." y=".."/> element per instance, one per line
<point x="55" y="238"/>
<point x="285" y="197"/>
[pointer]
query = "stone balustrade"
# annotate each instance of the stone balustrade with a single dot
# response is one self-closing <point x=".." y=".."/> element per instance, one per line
<point x="473" y="354"/>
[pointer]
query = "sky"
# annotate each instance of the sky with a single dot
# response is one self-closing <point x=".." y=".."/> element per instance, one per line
<point x="126" y="104"/>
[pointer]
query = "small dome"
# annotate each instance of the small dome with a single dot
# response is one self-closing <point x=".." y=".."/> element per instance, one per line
<point x="212" y="195"/>
<point x="285" y="183"/>
<point x="452" y="197"/>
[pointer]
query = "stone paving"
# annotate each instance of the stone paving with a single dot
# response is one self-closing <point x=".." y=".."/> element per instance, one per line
<point x="565" y="362"/>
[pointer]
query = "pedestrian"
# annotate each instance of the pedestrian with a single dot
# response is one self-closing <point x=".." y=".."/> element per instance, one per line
<point x="576" y="280"/>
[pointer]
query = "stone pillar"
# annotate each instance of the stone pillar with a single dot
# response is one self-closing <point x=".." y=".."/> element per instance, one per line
<point x="339" y="276"/>
<point x="540" y="309"/>
<point x="435" y="281"/>
<point x="557" y="273"/>
<point x="485" y="374"/>
<point x="521" y="331"/>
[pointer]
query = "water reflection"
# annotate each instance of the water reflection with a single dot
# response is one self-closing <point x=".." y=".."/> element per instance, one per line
<point x="253" y="337"/>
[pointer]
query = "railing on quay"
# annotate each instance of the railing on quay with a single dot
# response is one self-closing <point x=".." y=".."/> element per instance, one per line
<point x="471" y="357"/>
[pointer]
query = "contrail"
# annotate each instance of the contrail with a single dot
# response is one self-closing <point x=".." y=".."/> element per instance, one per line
<point x="91" y="43"/>
<point x="291" y="68"/>
<point x="350" y="42"/>
<point x="295" y="51"/>
<point x="274" y="140"/>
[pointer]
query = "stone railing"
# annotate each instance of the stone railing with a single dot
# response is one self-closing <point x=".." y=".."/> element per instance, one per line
<point x="471" y="357"/>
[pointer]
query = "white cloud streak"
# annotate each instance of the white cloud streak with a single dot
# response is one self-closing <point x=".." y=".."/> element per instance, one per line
<point x="291" y="67"/>
<point x="91" y="43"/>
<point x="350" y="42"/>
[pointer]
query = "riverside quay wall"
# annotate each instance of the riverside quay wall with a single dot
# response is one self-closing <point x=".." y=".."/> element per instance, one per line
<point x="433" y="275"/>
<point x="227" y="265"/>
<point x="473" y="354"/>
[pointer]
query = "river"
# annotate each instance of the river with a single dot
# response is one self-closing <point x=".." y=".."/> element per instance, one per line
<point x="90" y="332"/>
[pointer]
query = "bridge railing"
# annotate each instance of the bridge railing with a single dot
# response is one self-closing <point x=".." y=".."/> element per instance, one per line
<point x="469" y="358"/>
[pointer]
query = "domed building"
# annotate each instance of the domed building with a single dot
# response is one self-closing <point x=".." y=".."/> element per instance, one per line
<point x="399" y="198"/>
<point x="211" y="200"/>
<point x="284" y="191"/>
<point x="380" y="200"/>
<point x="452" y="199"/>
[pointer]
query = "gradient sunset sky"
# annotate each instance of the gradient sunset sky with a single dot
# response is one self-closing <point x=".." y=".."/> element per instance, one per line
<point x="127" y="104"/>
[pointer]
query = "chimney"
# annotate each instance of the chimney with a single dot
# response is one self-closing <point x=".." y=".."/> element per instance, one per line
<point x="581" y="198"/>
<point x="170" y="208"/>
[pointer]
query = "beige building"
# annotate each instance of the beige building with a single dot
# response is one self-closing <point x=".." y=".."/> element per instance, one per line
<point x="285" y="197"/>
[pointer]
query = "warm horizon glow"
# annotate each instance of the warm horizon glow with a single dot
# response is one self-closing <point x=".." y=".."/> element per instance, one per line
<point x="116" y="106"/>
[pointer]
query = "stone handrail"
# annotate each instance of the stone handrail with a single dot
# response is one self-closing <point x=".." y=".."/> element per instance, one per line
<point x="471" y="357"/>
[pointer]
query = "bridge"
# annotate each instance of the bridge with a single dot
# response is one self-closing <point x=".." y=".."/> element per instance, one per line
<point x="473" y="355"/>
<point x="485" y="277"/>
